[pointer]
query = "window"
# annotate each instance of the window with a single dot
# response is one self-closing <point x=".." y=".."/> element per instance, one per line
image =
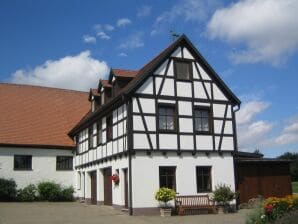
<point x="167" y="117"/>
<point x="183" y="69"/>
<point x="64" y="163"/>
<point x="202" y="120"/>
<point x="167" y="177"/>
<point x="109" y="128"/>
<point x="204" y="179"/>
<point x="90" y="137"/>
<point x="23" y="162"/>
<point x="99" y="133"/>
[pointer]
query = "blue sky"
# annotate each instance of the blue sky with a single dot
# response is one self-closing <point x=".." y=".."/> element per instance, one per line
<point x="252" y="44"/>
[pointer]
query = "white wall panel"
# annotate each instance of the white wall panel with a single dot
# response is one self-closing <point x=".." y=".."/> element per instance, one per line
<point x="166" y="101"/>
<point x="177" y="53"/>
<point x="187" y="54"/>
<point x="202" y="104"/>
<point x="199" y="90"/>
<point x="219" y="110"/>
<point x="186" y="125"/>
<point x="185" y="108"/>
<point x="168" y="141"/>
<point x="147" y="87"/>
<point x="195" y="71"/>
<point x="171" y="69"/>
<point x="217" y="93"/>
<point x="140" y="141"/>
<point x="138" y="123"/>
<point x="203" y="73"/>
<point x="157" y="84"/>
<point x="186" y="142"/>
<point x="227" y="143"/>
<point x="151" y="123"/>
<point x="153" y="140"/>
<point x="218" y="126"/>
<point x="161" y="70"/>
<point x="184" y="89"/>
<point x="228" y="127"/>
<point x="204" y="142"/>
<point x="135" y="105"/>
<point x="148" y="105"/>
<point x="109" y="148"/>
<point x="229" y="112"/>
<point x="168" y="87"/>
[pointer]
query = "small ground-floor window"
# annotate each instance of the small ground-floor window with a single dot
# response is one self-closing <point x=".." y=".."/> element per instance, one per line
<point x="22" y="162"/>
<point x="204" y="179"/>
<point x="167" y="177"/>
<point x="64" y="163"/>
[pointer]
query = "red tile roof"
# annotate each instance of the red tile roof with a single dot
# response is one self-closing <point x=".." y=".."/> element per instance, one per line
<point x="32" y="115"/>
<point x="105" y="83"/>
<point x="125" y="72"/>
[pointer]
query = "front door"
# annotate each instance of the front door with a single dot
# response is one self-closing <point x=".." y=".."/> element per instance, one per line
<point x="107" y="173"/>
<point x="93" y="188"/>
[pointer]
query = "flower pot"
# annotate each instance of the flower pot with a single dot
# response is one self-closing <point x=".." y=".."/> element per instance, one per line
<point x="165" y="212"/>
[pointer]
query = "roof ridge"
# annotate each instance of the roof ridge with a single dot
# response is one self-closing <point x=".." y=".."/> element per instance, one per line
<point x="41" y="87"/>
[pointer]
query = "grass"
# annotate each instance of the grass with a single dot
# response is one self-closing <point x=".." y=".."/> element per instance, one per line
<point x="295" y="187"/>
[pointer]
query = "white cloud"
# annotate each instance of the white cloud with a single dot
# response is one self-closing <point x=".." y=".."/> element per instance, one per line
<point x="122" y="54"/>
<point x="184" y="10"/>
<point x="109" y="27"/>
<point x="123" y="22"/>
<point x="252" y="133"/>
<point x="103" y="35"/>
<point x="289" y="134"/>
<point x="97" y="28"/>
<point x="79" y="72"/>
<point x="89" y="39"/>
<point x="144" y="11"/>
<point x="267" y="28"/>
<point x="135" y="40"/>
<point x="249" y="110"/>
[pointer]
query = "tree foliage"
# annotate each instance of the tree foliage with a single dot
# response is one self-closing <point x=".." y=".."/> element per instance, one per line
<point x="294" y="164"/>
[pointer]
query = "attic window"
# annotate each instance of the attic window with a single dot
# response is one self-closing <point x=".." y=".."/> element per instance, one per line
<point x="183" y="69"/>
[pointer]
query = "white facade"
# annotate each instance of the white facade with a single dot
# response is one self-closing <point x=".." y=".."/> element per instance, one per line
<point x="141" y="148"/>
<point x="43" y="166"/>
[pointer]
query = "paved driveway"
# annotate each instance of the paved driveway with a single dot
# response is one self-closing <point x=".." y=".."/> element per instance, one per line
<point x="77" y="213"/>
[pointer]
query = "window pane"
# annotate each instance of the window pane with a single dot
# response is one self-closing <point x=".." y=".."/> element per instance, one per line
<point x="166" y="118"/>
<point x="182" y="70"/>
<point x="204" y="179"/>
<point x="167" y="177"/>
<point x="23" y="162"/>
<point x="64" y="163"/>
<point x="202" y="120"/>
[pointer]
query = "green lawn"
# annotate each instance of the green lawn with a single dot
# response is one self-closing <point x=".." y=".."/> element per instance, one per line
<point x="295" y="187"/>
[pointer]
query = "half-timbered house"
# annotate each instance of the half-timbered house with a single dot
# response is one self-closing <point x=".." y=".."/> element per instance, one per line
<point x="169" y="124"/>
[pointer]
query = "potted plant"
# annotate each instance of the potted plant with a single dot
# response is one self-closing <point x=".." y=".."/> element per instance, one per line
<point x="164" y="195"/>
<point x="222" y="196"/>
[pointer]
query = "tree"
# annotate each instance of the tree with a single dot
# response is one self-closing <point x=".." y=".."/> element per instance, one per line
<point x="294" y="164"/>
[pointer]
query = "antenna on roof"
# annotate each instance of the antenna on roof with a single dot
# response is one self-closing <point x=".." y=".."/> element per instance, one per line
<point x="174" y="35"/>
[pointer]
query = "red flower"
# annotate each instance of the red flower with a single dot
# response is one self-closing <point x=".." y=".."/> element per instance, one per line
<point x="115" y="178"/>
<point x="268" y="209"/>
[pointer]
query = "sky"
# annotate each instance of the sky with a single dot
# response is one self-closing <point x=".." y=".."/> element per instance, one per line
<point x="251" y="44"/>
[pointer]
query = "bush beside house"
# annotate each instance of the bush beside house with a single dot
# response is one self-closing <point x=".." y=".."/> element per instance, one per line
<point x="44" y="191"/>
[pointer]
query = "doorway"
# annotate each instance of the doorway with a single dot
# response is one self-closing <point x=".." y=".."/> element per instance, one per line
<point x="107" y="173"/>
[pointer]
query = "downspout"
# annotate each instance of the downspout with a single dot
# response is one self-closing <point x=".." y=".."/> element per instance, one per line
<point x="129" y="145"/>
<point x="236" y="147"/>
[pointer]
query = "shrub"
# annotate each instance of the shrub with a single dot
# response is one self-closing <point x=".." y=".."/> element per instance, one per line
<point x="8" y="189"/>
<point x="223" y="194"/>
<point x="67" y="194"/>
<point x="164" y="195"/>
<point x="28" y="193"/>
<point x="49" y="191"/>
